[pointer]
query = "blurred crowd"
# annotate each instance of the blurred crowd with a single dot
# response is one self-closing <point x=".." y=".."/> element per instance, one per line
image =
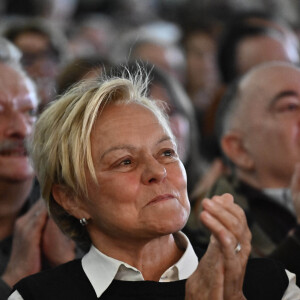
<point x="200" y="45"/>
<point x="204" y="45"/>
<point x="194" y="51"/>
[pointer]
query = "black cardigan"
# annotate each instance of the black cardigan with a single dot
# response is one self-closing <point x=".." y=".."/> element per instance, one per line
<point x="265" y="279"/>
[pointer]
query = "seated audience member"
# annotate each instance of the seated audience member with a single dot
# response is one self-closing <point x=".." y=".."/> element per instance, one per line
<point x="80" y="68"/>
<point x="109" y="171"/>
<point x="202" y="83"/>
<point x="199" y="41"/>
<point x="245" y="44"/>
<point x="258" y="130"/>
<point x="28" y="239"/>
<point x="92" y="34"/>
<point x="247" y="41"/>
<point x="44" y="53"/>
<point x="156" y="43"/>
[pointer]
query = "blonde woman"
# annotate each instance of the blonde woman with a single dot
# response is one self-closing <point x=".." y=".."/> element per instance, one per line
<point x="109" y="171"/>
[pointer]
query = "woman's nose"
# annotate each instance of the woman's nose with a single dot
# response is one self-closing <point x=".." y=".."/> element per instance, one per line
<point x="154" y="171"/>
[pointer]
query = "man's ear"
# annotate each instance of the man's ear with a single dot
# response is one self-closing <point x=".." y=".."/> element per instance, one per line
<point x="233" y="146"/>
<point x="71" y="204"/>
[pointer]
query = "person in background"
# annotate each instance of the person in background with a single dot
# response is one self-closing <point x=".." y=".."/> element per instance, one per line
<point x="199" y="41"/>
<point x="247" y="40"/>
<point x="155" y="43"/>
<point x="44" y="52"/>
<point x="92" y="34"/>
<point x="110" y="174"/>
<point x="258" y="132"/>
<point x="250" y="39"/>
<point x="80" y="68"/>
<point x="29" y="240"/>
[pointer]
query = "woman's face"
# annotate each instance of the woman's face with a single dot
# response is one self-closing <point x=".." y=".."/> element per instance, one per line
<point x="141" y="191"/>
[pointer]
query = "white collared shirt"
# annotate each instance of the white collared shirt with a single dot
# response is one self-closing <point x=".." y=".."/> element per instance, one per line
<point x="94" y="262"/>
<point x="101" y="270"/>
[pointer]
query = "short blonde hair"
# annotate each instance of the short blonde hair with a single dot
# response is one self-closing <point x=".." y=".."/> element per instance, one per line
<point x="61" y="145"/>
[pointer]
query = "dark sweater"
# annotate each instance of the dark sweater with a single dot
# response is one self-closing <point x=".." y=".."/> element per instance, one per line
<point x="269" y="222"/>
<point x="265" y="279"/>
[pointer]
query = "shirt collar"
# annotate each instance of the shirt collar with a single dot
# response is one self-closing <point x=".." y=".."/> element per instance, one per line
<point x="188" y="262"/>
<point x="281" y="196"/>
<point x="101" y="269"/>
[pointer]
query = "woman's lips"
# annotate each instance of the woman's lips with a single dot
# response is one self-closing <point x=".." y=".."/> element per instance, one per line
<point x="161" y="198"/>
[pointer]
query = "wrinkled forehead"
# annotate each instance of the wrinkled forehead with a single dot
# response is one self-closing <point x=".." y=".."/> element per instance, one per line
<point x="157" y="111"/>
<point x="15" y="86"/>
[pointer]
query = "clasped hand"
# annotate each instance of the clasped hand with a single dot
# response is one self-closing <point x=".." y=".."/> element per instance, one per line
<point x="220" y="272"/>
<point x="36" y="235"/>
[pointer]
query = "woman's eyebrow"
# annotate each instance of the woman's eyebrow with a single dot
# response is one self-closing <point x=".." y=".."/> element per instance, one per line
<point x="130" y="147"/>
<point x="164" y="138"/>
<point x="118" y="147"/>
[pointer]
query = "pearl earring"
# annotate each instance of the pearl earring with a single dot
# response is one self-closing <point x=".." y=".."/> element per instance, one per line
<point x="83" y="221"/>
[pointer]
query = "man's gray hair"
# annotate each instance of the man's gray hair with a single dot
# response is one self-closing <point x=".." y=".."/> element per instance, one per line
<point x="9" y="53"/>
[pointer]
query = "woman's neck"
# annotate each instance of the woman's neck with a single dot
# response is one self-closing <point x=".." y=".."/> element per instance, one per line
<point x="152" y="258"/>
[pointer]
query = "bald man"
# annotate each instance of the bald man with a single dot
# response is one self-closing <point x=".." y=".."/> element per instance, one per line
<point x="258" y="127"/>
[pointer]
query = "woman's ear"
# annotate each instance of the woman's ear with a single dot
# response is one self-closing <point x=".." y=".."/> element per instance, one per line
<point x="233" y="146"/>
<point x="70" y="202"/>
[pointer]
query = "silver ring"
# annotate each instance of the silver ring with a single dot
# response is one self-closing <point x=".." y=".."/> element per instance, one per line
<point x="238" y="248"/>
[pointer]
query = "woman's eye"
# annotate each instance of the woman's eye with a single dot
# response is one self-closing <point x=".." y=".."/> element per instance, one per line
<point x="125" y="162"/>
<point x="169" y="153"/>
